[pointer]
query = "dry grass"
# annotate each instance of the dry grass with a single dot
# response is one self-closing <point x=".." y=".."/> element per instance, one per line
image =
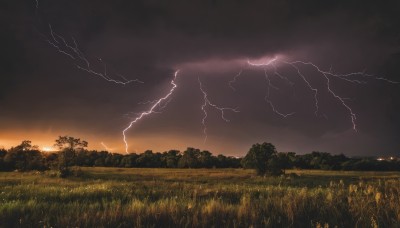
<point x="114" y="197"/>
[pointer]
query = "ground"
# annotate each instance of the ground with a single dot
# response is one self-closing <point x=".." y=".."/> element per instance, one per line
<point x="127" y="197"/>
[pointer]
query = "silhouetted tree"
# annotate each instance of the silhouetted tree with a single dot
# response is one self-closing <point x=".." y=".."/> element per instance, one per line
<point x="260" y="157"/>
<point x="3" y="166"/>
<point x="116" y="160"/>
<point x="221" y="161"/>
<point x="51" y="160"/>
<point x="71" y="143"/>
<point x="24" y="157"/>
<point x="68" y="147"/>
<point x="280" y="162"/>
<point x="205" y="159"/>
<point x="190" y="158"/>
<point x="129" y="160"/>
<point x="148" y="159"/>
<point x="171" y="158"/>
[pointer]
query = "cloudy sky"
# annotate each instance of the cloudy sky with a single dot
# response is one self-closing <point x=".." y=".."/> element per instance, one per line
<point x="47" y="91"/>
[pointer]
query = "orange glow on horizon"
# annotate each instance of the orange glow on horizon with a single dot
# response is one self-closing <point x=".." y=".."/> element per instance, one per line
<point x="139" y="142"/>
<point x="48" y="148"/>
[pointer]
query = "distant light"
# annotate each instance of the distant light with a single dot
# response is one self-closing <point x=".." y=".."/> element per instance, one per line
<point x="47" y="148"/>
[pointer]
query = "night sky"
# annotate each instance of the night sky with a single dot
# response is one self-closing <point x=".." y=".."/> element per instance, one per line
<point x="44" y="94"/>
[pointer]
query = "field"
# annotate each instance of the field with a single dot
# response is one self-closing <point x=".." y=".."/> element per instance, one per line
<point x="119" y="197"/>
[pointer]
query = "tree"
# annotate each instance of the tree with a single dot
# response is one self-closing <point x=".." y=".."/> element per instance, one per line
<point x="148" y="159"/>
<point x="262" y="158"/>
<point x="221" y="161"/>
<point x="190" y="158"/>
<point x="129" y="160"/>
<point x="3" y="153"/>
<point x="25" y="145"/>
<point x="68" y="147"/>
<point x="71" y="143"/>
<point x="205" y="159"/>
<point x="171" y="158"/>
<point x="278" y="163"/>
<point x="24" y="157"/>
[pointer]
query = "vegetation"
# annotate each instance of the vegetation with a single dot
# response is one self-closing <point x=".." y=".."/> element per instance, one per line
<point x="154" y="196"/>
<point x="262" y="157"/>
<point x="69" y="147"/>
<point x="121" y="197"/>
<point x="72" y="152"/>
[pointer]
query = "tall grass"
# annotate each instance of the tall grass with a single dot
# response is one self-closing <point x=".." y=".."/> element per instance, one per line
<point x="199" y="198"/>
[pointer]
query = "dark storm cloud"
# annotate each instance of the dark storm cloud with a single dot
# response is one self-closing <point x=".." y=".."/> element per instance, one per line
<point x="184" y="30"/>
<point x="149" y="39"/>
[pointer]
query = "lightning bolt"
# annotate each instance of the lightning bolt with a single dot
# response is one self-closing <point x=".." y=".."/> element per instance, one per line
<point x="73" y="52"/>
<point x="266" y="65"/>
<point x="327" y="74"/>
<point x="282" y="77"/>
<point x="54" y="42"/>
<point x="162" y="106"/>
<point x="105" y="147"/>
<point x="206" y="103"/>
<point x="83" y="63"/>
<point x="267" y="97"/>
<point x="328" y="84"/>
<point x="270" y="85"/>
<point x="314" y="90"/>
<point x="230" y="83"/>
<point x="151" y="110"/>
<point x="349" y="77"/>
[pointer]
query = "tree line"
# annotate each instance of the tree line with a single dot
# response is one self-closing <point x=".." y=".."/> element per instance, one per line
<point x="262" y="157"/>
<point x="72" y="152"/>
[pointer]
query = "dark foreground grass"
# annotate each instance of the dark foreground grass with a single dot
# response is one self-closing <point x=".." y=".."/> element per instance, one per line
<point x="115" y="197"/>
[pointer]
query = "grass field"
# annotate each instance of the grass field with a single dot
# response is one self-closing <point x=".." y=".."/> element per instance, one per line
<point x="119" y="197"/>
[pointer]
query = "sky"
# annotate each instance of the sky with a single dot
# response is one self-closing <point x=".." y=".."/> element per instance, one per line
<point x="303" y="75"/>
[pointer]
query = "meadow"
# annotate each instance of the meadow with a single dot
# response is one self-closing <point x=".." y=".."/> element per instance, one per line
<point x="140" y="197"/>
